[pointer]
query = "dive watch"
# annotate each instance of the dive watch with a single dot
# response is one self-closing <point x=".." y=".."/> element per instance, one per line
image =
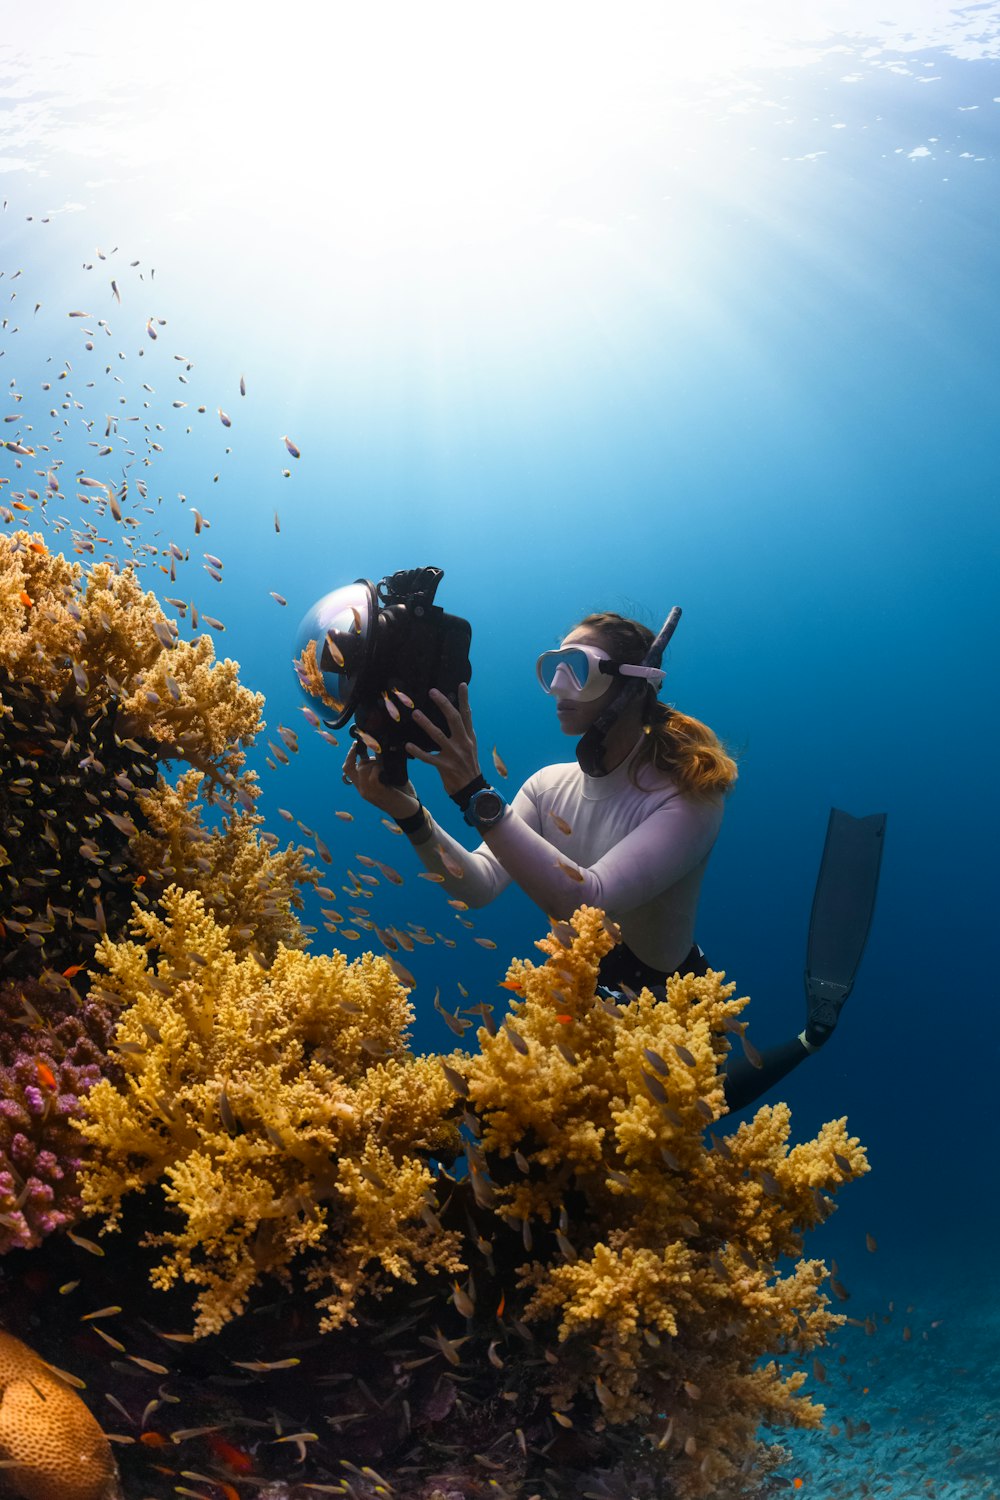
<point x="486" y="808"/>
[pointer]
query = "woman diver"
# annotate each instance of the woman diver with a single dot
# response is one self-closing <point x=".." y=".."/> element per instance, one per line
<point x="627" y="827"/>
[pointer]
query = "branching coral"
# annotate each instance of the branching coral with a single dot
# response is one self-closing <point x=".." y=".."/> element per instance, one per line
<point x="252" y="886"/>
<point x="52" y="1050"/>
<point x="96" y="634"/>
<point x="96" y="692"/>
<point x="614" y="1284"/>
<point x="662" y="1268"/>
<point x="279" y="1110"/>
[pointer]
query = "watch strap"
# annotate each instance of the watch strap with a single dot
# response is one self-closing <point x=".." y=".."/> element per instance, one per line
<point x="464" y="795"/>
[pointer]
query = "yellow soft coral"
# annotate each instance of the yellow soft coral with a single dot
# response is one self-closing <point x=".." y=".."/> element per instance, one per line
<point x="97" y="634"/>
<point x="254" y="887"/>
<point x="279" y="1109"/>
<point x="97" y="691"/>
<point x="662" y="1241"/>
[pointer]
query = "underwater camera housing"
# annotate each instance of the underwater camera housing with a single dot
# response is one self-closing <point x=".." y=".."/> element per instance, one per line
<point x="373" y="652"/>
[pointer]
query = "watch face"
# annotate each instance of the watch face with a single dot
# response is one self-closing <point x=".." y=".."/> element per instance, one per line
<point x="486" y="808"/>
<point x="489" y="804"/>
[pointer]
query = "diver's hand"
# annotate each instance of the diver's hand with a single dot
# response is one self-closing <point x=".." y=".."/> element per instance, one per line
<point x="364" y="773"/>
<point x="457" y="758"/>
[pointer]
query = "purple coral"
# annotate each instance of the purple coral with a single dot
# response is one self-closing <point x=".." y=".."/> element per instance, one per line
<point x="50" y="1056"/>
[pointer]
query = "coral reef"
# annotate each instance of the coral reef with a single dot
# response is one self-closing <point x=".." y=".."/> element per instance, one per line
<point x="544" y="1267"/>
<point x="97" y="693"/>
<point x="51" y="1447"/>
<point x="96" y="690"/>
<point x="278" y="1109"/>
<point x="600" y="1286"/>
<point x="53" y="1048"/>
<point x="95" y="635"/>
<point x="252" y="886"/>
<point x="661" y="1267"/>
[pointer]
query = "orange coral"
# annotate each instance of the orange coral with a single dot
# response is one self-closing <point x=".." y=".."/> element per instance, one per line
<point x="659" y="1265"/>
<point x="279" y="1109"/>
<point x="96" y="691"/>
<point x="251" y="885"/>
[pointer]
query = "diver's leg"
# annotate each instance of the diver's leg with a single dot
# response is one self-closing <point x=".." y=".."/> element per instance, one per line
<point x="744" y="1083"/>
<point x="842" y="909"/>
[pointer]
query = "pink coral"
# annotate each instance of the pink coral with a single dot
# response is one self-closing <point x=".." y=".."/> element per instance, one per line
<point x="52" y="1051"/>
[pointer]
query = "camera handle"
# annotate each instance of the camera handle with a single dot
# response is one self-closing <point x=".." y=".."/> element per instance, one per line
<point x="393" y="759"/>
<point x="415" y="586"/>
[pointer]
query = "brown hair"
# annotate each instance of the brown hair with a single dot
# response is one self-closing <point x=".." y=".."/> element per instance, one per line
<point x="677" y="745"/>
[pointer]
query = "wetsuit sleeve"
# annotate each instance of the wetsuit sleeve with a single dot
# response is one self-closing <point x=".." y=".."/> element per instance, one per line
<point x="482" y="876"/>
<point x="670" y="843"/>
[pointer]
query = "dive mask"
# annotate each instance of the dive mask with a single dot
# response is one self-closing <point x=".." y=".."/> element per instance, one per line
<point x="582" y="672"/>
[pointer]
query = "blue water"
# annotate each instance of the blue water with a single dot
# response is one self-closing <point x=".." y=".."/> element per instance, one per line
<point x="747" y="364"/>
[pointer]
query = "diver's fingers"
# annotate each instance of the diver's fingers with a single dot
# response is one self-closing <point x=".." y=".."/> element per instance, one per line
<point x="456" y="718"/>
<point x="418" y="754"/>
<point x="445" y="704"/>
<point x="430" y="728"/>
<point x="465" y="712"/>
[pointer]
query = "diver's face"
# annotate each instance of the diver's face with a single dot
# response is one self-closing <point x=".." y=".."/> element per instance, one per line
<point x="575" y="718"/>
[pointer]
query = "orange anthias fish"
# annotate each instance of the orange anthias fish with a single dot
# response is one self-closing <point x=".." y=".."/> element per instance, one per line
<point x="512" y="984"/>
<point x="46" y="1077"/>
<point x="237" y="1458"/>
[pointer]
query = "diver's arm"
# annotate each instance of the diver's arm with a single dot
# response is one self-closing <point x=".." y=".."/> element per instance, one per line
<point x="670" y="842"/>
<point x="482" y="876"/>
<point x="477" y="876"/>
<point x="666" y="846"/>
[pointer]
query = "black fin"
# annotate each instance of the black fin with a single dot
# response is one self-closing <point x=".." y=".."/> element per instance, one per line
<point x="841" y="916"/>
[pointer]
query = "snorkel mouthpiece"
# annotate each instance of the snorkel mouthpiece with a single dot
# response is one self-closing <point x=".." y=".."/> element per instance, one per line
<point x="591" y="746"/>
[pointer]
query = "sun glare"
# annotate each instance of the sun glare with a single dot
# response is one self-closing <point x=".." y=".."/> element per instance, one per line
<point x="450" y="144"/>
<point x="399" y="124"/>
<point x="423" y="125"/>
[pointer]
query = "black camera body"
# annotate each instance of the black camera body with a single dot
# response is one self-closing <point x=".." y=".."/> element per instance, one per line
<point x="372" y="653"/>
<point x="416" y="646"/>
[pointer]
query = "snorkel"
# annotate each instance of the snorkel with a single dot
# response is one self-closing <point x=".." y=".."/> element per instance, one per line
<point x="591" y="746"/>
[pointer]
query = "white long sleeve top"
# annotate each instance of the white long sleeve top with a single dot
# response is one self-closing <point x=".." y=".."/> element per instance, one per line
<point x="640" y="853"/>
